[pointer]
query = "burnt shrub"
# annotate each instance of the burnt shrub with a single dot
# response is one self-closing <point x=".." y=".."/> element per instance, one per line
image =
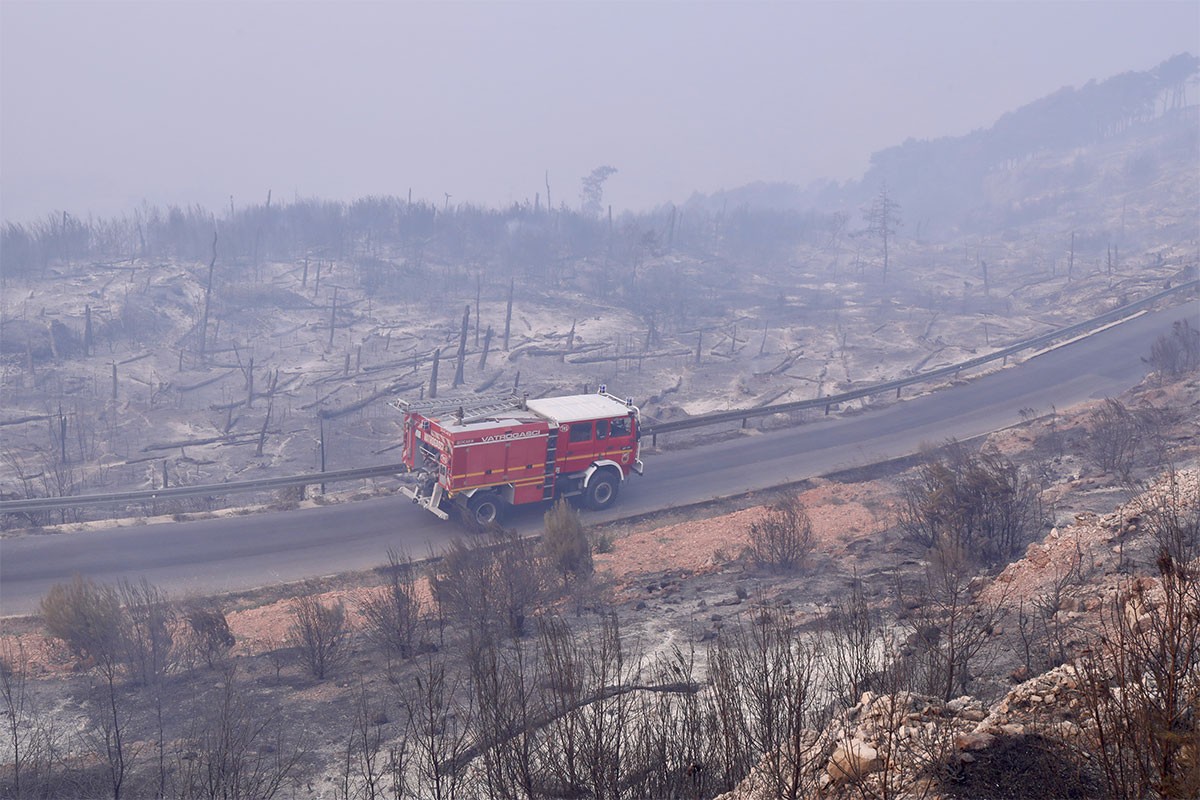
<point x="207" y="636"/>
<point x="782" y="539"/>
<point x="392" y="616"/>
<point x="1029" y="767"/>
<point x="978" y="505"/>
<point x="320" y="632"/>
<point x="87" y="617"/>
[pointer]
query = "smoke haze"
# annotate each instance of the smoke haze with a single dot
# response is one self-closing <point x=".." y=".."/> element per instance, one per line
<point x="106" y="105"/>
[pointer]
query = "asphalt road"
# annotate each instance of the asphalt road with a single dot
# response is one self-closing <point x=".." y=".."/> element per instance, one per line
<point x="238" y="553"/>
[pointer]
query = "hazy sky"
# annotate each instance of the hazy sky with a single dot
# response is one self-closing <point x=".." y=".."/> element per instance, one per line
<point x="104" y="105"/>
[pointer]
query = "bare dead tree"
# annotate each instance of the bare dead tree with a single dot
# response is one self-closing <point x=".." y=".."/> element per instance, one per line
<point x="487" y="346"/>
<point x="393" y="615"/>
<point x="204" y="320"/>
<point x="433" y="374"/>
<point x="850" y="637"/>
<point x="235" y="748"/>
<point x="950" y="625"/>
<point x="1141" y="686"/>
<point x="333" y="316"/>
<point x="1171" y="513"/>
<point x="509" y="306"/>
<point x="883" y="218"/>
<point x="1178" y="354"/>
<point x="1113" y="437"/>
<point x="262" y="434"/>
<point x="320" y="631"/>
<point x="29" y="734"/>
<point x="364" y="763"/>
<point x="148" y="643"/>
<point x="207" y="634"/>
<point x="488" y="585"/>
<point x="147" y="631"/>
<point x="782" y="539"/>
<point x="765" y="703"/>
<point x="87" y="617"/>
<point x="671" y="749"/>
<point x="1071" y="258"/>
<point x="593" y="714"/>
<point x="504" y="681"/>
<point x="904" y="758"/>
<point x="250" y="384"/>
<point x="978" y="505"/>
<point x="460" y="362"/>
<point x="439" y="718"/>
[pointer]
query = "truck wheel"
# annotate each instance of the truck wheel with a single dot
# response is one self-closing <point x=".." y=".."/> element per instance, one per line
<point x="484" y="508"/>
<point x="602" y="491"/>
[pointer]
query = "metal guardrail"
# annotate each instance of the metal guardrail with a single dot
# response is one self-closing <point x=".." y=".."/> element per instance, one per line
<point x="214" y="489"/>
<point x="715" y="418"/>
<point x="735" y="415"/>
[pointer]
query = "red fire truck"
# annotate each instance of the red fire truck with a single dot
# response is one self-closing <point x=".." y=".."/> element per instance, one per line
<point x="486" y="454"/>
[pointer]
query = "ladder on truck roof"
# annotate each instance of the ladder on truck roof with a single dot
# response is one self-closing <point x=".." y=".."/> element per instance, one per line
<point x="475" y="406"/>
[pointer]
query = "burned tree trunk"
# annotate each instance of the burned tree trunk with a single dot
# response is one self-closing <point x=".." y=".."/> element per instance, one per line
<point x="262" y="436"/>
<point x="333" y="316"/>
<point x="508" y="312"/>
<point x="1071" y="257"/>
<point x="462" y="348"/>
<point x="250" y="383"/>
<point x="487" y="346"/>
<point x="207" y="298"/>
<point x="433" y="375"/>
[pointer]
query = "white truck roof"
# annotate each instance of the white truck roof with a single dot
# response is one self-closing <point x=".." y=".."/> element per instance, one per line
<point x="575" y="408"/>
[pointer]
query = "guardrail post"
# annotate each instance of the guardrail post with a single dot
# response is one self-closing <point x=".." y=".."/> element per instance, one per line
<point x="744" y="421"/>
<point x="653" y="439"/>
<point x="898" y="392"/>
<point x="827" y="409"/>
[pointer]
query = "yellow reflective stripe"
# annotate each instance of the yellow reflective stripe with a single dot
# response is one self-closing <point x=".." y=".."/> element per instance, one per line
<point x="528" y="482"/>
<point x="522" y="469"/>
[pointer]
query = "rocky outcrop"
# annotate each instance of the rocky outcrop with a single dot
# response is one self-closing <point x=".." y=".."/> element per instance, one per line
<point x="1049" y="703"/>
<point x="852" y="761"/>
